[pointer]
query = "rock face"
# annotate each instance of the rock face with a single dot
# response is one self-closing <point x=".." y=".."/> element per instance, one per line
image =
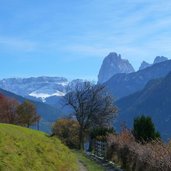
<point x="112" y="65"/>
<point x="121" y="85"/>
<point x="144" y="65"/>
<point x="159" y="59"/>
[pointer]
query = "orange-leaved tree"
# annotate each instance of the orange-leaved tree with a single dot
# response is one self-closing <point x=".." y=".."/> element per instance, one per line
<point x="27" y="114"/>
<point x="67" y="130"/>
<point x="8" y="108"/>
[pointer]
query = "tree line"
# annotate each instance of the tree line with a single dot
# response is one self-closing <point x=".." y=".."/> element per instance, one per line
<point x="13" y="112"/>
<point x="92" y="117"/>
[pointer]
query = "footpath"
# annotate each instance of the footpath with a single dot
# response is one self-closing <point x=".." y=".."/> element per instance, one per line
<point x="81" y="166"/>
<point x="107" y="165"/>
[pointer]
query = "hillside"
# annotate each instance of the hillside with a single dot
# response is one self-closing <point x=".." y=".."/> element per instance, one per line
<point x="153" y="100"/>
<point x="48" y="113"/>
<point x="122" y="85"/>
<point x="23" y="149"/>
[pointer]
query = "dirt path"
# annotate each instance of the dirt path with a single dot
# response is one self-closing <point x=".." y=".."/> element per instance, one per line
<point x="81" y="166"/>
<point x="106" y="165"/>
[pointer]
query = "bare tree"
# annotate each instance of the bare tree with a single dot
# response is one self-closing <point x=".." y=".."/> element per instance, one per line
<point x="92" y="107"/>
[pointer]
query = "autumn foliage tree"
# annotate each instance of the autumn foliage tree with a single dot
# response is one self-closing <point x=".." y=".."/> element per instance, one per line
<point x="8" y="107"/>
<point x="27" y="114"/>
<point x="67" y="130"/>
<point x="12" y="112"/>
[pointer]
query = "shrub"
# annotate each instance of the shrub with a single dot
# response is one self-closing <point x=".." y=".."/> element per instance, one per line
<point x="67" y="130"/>
<point x="151" y="156"/>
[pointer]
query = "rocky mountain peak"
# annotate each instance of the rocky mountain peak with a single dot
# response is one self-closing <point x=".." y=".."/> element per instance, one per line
<point x="144" y="65"/>
<point x="159" y="59"/>
<point x="114" y="56"/>
<point x="113" y="64"/>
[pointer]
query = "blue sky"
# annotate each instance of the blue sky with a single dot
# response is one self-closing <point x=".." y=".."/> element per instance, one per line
<point x="70" y="38"/>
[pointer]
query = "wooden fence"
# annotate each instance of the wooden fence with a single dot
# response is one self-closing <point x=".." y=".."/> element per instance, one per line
<point x="100" y="149"/>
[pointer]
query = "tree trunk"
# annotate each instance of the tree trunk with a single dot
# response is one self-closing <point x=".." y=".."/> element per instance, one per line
<point x="90" y="149"/>
<point x="81" y="139"/>
<point x="37" y="125"/>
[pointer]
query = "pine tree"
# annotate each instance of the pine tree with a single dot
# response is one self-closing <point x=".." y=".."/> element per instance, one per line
<point x="144" y="129"/>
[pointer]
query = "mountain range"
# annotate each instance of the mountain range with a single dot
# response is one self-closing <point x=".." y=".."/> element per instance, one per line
<point x="39" y="88"/>
<point x="158" y="59"/>
<point x="153" y="100"/>
<point x="121" y="85"/>
<point x="145" y="91"/>
<point x="45" y="92"/>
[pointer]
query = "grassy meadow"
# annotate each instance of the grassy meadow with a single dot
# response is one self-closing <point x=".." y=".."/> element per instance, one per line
<point x="23" y="149"/>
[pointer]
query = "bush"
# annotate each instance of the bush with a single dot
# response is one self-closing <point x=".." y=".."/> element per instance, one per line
<point x="67" y="130"/>
<point x="134" y="156"/>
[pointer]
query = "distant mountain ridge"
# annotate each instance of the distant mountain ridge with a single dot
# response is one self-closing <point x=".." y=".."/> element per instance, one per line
<point x="112" y="65"/>
<point x="121" y="85"/>
<point x="154" y="100"/>
<point x="144" y="65"/>
<point x="38" y="88"/>
<point x="158" y="59"/>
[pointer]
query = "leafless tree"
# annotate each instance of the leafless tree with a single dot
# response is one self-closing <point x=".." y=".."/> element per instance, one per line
<point x="92" y="106"/>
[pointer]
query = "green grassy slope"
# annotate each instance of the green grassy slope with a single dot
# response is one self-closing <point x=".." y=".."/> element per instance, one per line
<point x="23" y="149"/>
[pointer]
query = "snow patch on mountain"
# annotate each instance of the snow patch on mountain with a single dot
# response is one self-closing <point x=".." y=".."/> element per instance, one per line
<point x="39" y="88"/>
<point x="43" y="96"/>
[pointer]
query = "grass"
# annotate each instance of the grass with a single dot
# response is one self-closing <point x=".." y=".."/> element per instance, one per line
<point x="89" y="164"/>
<point x="23" y="149"/>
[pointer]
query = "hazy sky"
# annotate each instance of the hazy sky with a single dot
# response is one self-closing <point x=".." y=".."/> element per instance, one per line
<point x="70" y="38"/>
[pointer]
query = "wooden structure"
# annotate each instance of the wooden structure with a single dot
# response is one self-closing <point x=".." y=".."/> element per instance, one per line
<point x="100" y="149"/>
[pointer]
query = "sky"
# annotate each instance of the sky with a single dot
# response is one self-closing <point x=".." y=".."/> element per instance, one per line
<point x="70" y="38"/>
